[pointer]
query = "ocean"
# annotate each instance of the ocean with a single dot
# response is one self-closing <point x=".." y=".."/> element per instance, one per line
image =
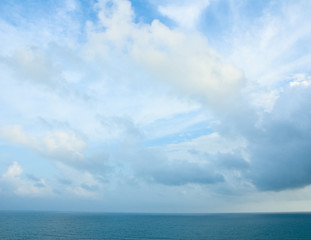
<point x="61" y="225"/>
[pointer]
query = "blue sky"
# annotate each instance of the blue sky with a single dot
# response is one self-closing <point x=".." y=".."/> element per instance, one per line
<point x="155" y="106"/>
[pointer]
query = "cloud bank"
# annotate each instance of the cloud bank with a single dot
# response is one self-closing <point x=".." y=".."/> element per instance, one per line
<point x="115" y="105"/>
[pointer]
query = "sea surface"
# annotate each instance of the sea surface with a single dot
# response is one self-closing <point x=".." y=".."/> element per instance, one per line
<point x="60" y="225"/>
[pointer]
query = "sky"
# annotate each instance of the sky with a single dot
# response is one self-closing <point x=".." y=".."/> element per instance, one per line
<point x="162" y="106"/>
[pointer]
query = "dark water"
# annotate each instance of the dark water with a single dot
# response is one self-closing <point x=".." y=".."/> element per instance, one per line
<point x="49" y="225"/>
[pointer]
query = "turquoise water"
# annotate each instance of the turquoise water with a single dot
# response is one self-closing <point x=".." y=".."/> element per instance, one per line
<point x="52" y="225"/>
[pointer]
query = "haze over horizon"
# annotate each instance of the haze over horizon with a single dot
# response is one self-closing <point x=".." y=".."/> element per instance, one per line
<point x="160" y="106"/>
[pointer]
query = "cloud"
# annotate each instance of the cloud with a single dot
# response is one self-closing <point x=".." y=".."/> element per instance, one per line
<point x="121" y="127"/>
<point x="63" y="147"/>
<point x="168" y="55"/>
<point x="115" y="102"/>
<point x="16" y="135"/>
<point x="59" y="142"/>
<point x="300" y="80"/>
<point x="82" y="184"/>
<point x="154" y="165"/>
<point x="13" y="181"/>
<point x="280" y="150"/>
<point x="33" y="65"/>
<point x="182" y="173"/>
<point x="13" y="171"/>
<point x="273" y="116"/>
<point x="263" y="47"/>
<point x="189" y="64"/>
<point x="115" y="12"/>
<point x="185" y="14"/>
<point x="58" y="145"/>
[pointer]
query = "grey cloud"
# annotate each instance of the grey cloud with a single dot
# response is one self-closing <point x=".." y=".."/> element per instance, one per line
<point x="36" y="181"/>
<point x="39" y="185"/>
<point x="154" y="166"/>
<point x="231" y="161"/>
<point x="222" y="161"/>
<point x="279" y="145"/>
<point x="92" y="188"/>
<point x="65" y="181"/>
<point x="281" y="152"/>
<point x="32" y="177"/>
<point x="278" y="149"/>
<point x="96" y="162"/>
<point x="182" y="173"/>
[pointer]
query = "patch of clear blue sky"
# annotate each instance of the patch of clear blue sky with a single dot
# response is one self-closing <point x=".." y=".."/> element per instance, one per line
<point x="31" y="12"/>
<point x="15" y="12"/>
<point x="216" y="18"/>
<point x="185" y="129"/>
<point x="21" y="13"/>
<point x="146" y="12"/>
<point x="187" y="134"/>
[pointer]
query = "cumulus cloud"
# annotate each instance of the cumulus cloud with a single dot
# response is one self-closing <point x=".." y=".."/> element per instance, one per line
<point x="14" y="182"/>
<point x="189" y="64"/>
<point x="170" y="55"/>
<point x="280" y="150"/>
<point x="273" y="114"/>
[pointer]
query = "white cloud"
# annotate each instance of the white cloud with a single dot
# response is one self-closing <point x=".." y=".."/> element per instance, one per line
<point x="63" y="142"/>
<point x="116" y="16"/>
<point x="60" y="145"/>
<point x="13" y="181"/>
<point x="168" y="55"/>
<point x="185" y="13"/>
<point x="264" y="100"/>
<point x="15" y="134"/>
<point x="300" y="80"/>
<point x="13" y="171"/>
<point x="273" y="46"/>
<point x="188" y="63"/>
